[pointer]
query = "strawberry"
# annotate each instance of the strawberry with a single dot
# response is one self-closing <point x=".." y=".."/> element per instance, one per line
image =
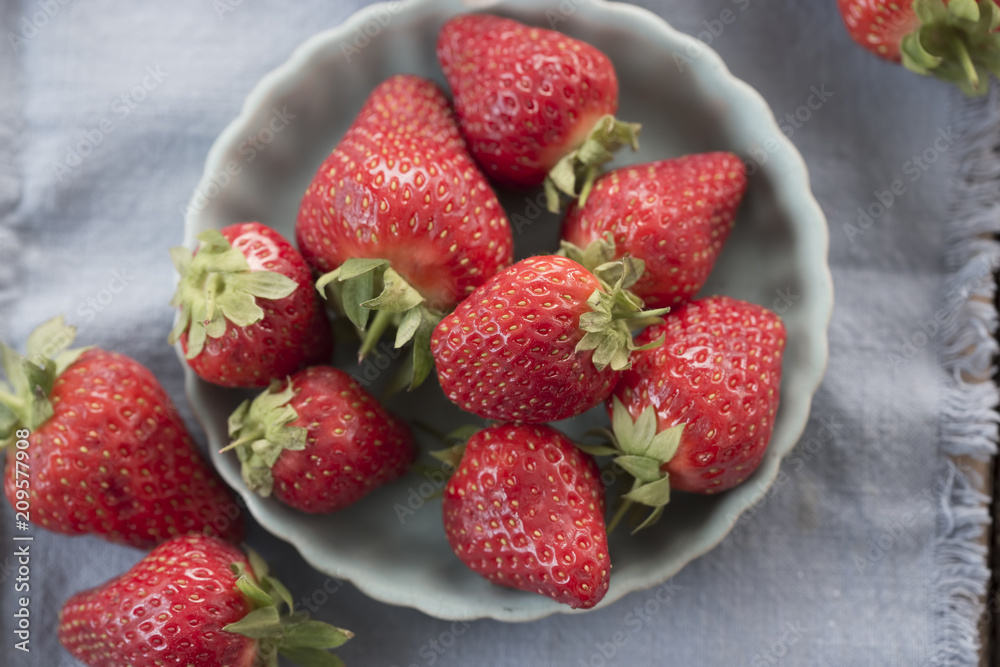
<point x="248" y="312"/>
<point x="319" y="441"/>
<point x="525" y="509"/>
<point x="954" y="40"/>
<point x="673" y="214"/>
<point x="400" y="210"/>
<point x="544" y="340"/>
<point x="535" y="105"/>
<point x="703" y="403"/>
<point x="106" y="451"/>
<point x="194" y="600"/>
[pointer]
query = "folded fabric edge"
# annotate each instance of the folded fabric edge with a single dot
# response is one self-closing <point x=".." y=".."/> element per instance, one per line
<point x="968" y="347"/>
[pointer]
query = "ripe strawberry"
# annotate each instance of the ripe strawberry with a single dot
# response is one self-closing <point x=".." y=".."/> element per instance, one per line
<point x="107" y="452"/>
<point x="399" y="209"/>
<point x="673" y="214"/>
<point x="543" y="340"/>
<point x="525" y="509"/>
<point x="535" y="105"/>
<point x="955" y="40"/>
<point x="248" y="312"/>
<point x="319" y="441"/>
<point x="193" y="601"/>
<point x="704" y="402"/>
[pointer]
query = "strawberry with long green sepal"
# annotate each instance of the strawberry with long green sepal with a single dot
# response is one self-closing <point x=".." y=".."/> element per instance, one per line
<point x="194" y="600"/>
<point x="525" y="509"/>
<point x="248" y="311"/>
<point x="107" y="452"/>
<point x="675" y="215"/>
<point x="318" y="441"/>
<point x="401" y="220"/>
<point x="536" y="106"/>
<point x="697" y="413"/>
<point x="953" y="40"/>
<point x="544" y="340"/>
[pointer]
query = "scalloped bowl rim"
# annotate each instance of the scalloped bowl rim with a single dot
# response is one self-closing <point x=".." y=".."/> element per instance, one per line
<point x="792" y="190"/>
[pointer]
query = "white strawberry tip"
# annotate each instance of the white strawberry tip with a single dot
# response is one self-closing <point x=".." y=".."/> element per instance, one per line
<point x="286" y="632"/>
<point x="352" y="288"/>
<point x="615" y="312"/>
<point x="259" y="431"/>
<point x="642" y="452"/>
<point x="217" y="286"/>
<point x="955" y="42"/>
<point x="574" y="174"/>
<point x="24" y="402"/>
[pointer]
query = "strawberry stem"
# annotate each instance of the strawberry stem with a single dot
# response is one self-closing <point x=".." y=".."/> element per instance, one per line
<point x="383" y="318"/>
<point x="962" y="51"/>
<point x="622" y="509"/>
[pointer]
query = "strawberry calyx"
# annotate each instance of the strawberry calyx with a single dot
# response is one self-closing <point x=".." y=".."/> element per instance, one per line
<point x="615" y="311"/>
<point x="286" y="632"/>
<point x="353" y="287"/>
<point x="24" y="398"/>
<point x="956" y="42"/>
<point x="642" y="452"/>
<point x="260" y="432"/>
<point x="575" y="172"/>
<point x="217" y="285"/>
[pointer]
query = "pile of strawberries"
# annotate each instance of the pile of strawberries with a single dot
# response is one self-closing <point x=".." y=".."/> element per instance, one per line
<point x="400" y="230"/>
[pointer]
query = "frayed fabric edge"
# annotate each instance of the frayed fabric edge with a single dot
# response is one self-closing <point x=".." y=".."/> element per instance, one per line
<point x="968" y="347"/>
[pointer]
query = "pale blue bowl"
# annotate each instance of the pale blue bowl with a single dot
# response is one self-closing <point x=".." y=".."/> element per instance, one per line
<point x="779" y="246"/>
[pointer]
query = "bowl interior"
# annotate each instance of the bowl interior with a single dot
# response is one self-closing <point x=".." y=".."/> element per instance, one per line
<point x="392" y="544"/>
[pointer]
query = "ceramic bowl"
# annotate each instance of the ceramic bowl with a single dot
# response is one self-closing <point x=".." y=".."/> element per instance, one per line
<point x="687" y="101"/>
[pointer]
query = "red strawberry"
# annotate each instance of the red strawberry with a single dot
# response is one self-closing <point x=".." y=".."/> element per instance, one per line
<point x="528" y="99"/>
<point x="673" y="214"/>
<point x="952" y="40"/>
<point x="189" y="602"/>
<point x="319" y="441"/>
<point x="541" y="341"/>
<point x="525" y="509"/>
<point x="706" y="399"/>
<point x="248" y="311"/>
<point x="399" y="209"/>
<point x="107" y="452"/>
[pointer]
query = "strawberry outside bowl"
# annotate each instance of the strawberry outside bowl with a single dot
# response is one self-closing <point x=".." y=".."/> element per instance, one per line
<point x="391" y="544"/>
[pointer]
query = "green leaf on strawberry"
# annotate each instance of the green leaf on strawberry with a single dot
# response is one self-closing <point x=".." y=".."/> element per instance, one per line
<point x="955" y="41"/>
<point x="615" y="311"/>
<point x="575" y="172"/>
<point x="260" y="433"/>
<point x="24" y="402"/>
<point x="217" y="285"/>
<point x="353" y="287"/>
<point x="290" y="633"/>
<point x="643" y="453"/>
